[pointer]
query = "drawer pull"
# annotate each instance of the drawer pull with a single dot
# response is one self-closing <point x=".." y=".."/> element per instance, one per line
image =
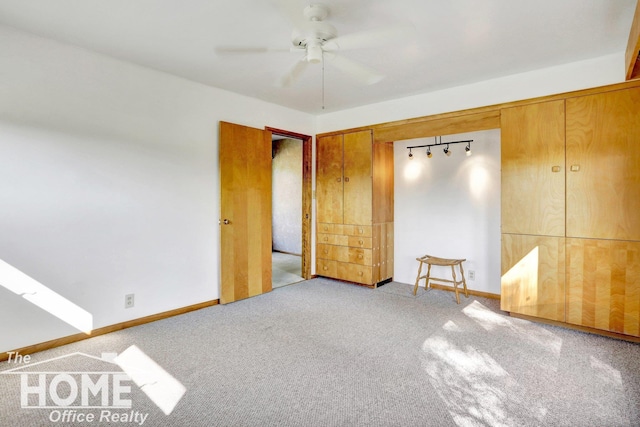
<point x="361" y="242"/>
<point x="360" y="256"/>
<point x="326" y="251"/>
<point x="325" y="268"/>
<point x="360" y="273"/>
<point x="360" y="230"/>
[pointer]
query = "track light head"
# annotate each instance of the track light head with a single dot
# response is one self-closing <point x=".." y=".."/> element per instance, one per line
<point x="410" y="154"/>
<point x="467" y="149"/>
<point x="429" y="154"/>
<point x="446" y="150"/>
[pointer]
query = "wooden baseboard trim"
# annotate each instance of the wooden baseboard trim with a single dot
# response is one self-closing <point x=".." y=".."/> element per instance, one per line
<point x="470" y="291"/>
<point x="594" y="331"/>
<point x="107" y="329"/>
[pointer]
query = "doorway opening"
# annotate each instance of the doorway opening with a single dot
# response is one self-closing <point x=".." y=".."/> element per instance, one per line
<point x="291" y="207"/>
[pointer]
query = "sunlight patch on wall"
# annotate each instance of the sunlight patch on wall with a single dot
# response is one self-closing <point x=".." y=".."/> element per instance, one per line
<point x="36" y="293"/>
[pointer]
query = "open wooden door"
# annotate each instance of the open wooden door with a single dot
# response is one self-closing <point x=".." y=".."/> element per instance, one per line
<point x="245" y="209"/>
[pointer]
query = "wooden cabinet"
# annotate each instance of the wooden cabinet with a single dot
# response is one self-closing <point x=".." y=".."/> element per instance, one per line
<point x="354" y="203"/>
<point x="590" y="202"/>
<point x="532" y="151"/>
<point x="533" y="210"/>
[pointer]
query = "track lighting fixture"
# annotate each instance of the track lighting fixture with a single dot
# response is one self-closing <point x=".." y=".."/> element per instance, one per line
<point x="438" y="142"/>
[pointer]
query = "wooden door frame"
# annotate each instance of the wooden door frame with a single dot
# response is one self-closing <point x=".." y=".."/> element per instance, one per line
<point x="307" y="148"/>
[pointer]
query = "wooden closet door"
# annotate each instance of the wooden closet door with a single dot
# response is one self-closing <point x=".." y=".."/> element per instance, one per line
<point x="329" y="183"/>
<point x="603" y="284"/>
<point x="533" y="169"/>
<point x="603" y="165"/>
<point x="358" y="205"/>
<point x="533" y="276"/>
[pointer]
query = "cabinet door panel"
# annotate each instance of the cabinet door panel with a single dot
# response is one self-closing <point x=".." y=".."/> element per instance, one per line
<point x="533" y="276"/>
<point x="329" y="183"/>
<point x="357" y="178"/>
<point x="603" y="288"/>
<point x="603" y="165"/>
<point x="532" y="152"/>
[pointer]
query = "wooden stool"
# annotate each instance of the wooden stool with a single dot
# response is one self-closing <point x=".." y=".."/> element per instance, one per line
<point x="431" y="260"/>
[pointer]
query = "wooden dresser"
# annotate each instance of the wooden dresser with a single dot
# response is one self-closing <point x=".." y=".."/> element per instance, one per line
<point x="354" y="200"/>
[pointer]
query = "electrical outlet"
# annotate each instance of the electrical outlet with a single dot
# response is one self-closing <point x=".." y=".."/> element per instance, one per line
<point x="472" y="275"/>
<point x="128" y="300"/>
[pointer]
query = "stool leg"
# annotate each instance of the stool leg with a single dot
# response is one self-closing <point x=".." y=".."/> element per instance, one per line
<point x="455" y="284"/>
<point x="426" y="283"/>
<point x="464" y="282"/>
<point x="415" y="288"/>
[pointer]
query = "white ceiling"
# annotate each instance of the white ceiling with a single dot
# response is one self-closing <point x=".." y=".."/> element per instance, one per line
<point x="455" y="42"/>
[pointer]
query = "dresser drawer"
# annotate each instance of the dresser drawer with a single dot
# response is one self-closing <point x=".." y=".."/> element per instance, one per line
<point x="358" y="230"/>
<point x="359" y="242"/>
<point x="359" y="256"/>
<point x="328" y="228"/>
<point x="327" y="268"/>
<point x="345" y="254"/>
<point x="355" y="273"/>
<point x="333" y="239"/>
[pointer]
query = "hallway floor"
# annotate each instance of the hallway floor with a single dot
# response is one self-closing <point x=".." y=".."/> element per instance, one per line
<point x="286" y="269"/>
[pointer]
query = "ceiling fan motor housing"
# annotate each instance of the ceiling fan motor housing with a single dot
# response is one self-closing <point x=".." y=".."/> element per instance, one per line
<point x="315" y="32"/>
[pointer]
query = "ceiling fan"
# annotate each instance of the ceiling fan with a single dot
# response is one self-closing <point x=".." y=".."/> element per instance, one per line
<point x="319" y="41"/>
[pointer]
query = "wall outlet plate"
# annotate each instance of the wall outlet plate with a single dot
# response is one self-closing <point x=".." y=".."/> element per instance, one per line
<point x="129" y="300"/>
<point x="472" y="275"/>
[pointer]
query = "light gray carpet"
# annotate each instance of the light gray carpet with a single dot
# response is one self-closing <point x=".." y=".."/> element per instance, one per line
<point x="325" y="353"/>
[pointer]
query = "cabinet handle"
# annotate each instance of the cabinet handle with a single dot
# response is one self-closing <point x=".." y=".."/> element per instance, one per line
<point x="361" y="242"/>
<point x="325" y="268"/>
<point x="360" y="256"/>
<point x="575" y="168"/>
<point x="555" y="169"/>
<point x="346" y="179"/>
<point x="360" y="273"/>
<point x="339" y="179"/>
<point x="326" y="239"/>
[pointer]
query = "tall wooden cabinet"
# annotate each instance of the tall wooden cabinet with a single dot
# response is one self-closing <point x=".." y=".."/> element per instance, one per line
<point x="571" y="210"/>
<point x="354" y="203"/>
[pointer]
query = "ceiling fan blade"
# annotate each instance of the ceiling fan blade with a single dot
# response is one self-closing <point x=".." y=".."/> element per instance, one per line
<point x="356" y="70"/>
<point x="373" y="38"/>
<point x="243" y="50"/>
<point x="294" y="73"/>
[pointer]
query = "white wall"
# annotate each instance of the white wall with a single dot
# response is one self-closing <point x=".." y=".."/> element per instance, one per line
<point x="563" y="78"/>
<point x="449" y="207"/>
<point x="109" y="183"/>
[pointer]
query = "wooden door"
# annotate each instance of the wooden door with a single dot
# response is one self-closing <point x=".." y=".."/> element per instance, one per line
<point x="533" y="276"/>
<point x="603" y="285"/>
<point x="603" y="165"/>
<point x="329" y="184"/>
<point x="245" y="211"/>
<point x="533" y="166"/>
<point x="358" y="204"/>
